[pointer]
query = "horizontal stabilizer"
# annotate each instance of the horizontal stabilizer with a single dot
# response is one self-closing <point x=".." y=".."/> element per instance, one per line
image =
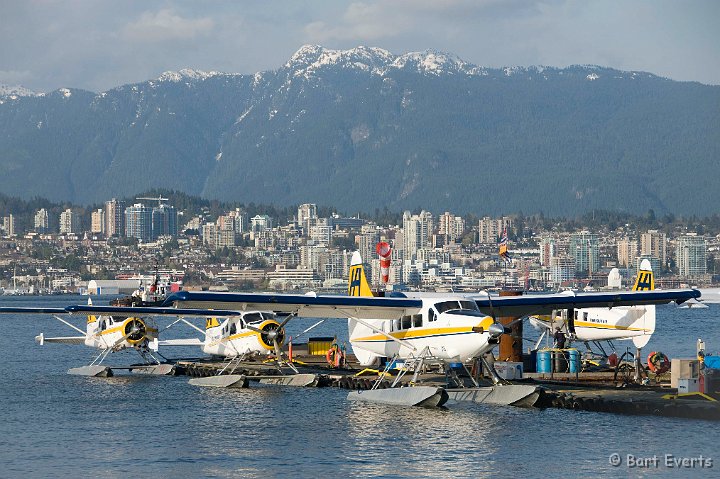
<point x="180" y="342"/>
<point x="40" y="338"/>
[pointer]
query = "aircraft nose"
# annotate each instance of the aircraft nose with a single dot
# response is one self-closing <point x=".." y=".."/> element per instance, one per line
<point x="496" y="330"/>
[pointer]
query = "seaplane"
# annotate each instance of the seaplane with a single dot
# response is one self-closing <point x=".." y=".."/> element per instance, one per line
<point x="420" y="326"/>
<point x="110" y="329"/>
<point x="591" y="325"/>
<point x="240" y="336"/>
<point x="598" y="325"/>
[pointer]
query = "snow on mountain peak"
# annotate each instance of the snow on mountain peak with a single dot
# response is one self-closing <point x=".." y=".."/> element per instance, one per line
<point x="16" y="91"/>
<point x="186" y="74"/>
<point x="311" y="58"/>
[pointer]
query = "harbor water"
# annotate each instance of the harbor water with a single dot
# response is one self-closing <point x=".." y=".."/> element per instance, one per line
<point x="56" y="425"/>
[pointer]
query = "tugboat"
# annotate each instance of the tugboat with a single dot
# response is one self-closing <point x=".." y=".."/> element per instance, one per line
<point x="152" y="295"/>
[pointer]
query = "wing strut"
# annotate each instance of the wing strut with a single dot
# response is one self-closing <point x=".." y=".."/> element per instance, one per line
<point x="71" y="325"/>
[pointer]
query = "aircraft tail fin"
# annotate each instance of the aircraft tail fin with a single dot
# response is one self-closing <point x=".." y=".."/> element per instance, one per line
<point x="645" y="280"/>
<point x="358" y="286"/>
<point x="357" y="281"/>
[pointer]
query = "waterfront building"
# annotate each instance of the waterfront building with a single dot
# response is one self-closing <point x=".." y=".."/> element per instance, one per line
<point x="654" y="243"/>
<point x="691" y="255"/>
<point x="69" y="222"/>
<point x="42" y="221"/>
<point x="138" y="222"/>
<point x="114" y="218"/>
<point x="98" y="221"/>
<point x="627" y="252"/>
<point x="585" y="249"/>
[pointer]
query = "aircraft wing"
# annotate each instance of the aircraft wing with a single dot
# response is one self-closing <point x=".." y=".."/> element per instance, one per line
<point x="8" y="310"/>
<point x="300" y="304"/>
<point x="518" y="306"/>
<point x="132" y="311"/>
<point x="120" y="311"/>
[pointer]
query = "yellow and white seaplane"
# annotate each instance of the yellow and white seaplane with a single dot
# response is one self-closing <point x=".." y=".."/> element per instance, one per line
<point x="636" y="323"/>
<point x="110" y="329"/>
<point x="418" y="327"/>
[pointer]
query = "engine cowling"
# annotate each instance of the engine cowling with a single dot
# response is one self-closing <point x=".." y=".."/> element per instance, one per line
<point x="135" y="331"/>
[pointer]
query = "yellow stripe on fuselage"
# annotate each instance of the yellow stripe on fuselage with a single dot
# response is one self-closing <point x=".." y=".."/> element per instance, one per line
<point x="427" y="332"/>
<point x="585" y="324"/>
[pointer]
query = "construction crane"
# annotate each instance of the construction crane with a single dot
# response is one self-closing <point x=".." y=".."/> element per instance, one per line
<point x="159" y="199"/>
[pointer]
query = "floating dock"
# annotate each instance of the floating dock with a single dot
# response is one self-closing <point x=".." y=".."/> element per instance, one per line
<point x="597" y="392"/>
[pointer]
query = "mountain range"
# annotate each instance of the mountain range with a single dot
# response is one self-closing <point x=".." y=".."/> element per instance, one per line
<point x="363" y="128"/>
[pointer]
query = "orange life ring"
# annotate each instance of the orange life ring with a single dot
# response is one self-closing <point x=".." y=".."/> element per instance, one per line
<point x="658" y="362"/>
<point x="334" y="356"/>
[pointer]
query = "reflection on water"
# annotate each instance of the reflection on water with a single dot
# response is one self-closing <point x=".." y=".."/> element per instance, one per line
<point x="56" y="425"/>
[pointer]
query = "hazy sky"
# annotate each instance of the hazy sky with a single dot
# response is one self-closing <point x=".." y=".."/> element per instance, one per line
<point x="100" y="44"/>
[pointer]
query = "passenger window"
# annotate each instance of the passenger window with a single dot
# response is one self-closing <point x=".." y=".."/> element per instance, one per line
<point x="417" y="320"/>
<point x="585" y="316"/>
<point x="431" y="315"/>
<point x="233" y="329"/>
<point x="396" y="325"/>
<point x="406" y="322"/>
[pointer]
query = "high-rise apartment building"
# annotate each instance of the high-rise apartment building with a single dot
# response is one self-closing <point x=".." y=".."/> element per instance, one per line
<point x="417" y="230"/>
<point x="8" y="225"/>
<point x="138" y="222"/>
<point x="42" y="221"/>
<point x="547" y="250"/>
<point x="306" y="217"/>
<point x="98" y="222"/>
<point x="69" y="222"/>
<point x="654" y="243"/>
<point x="164" y="221"/>
<point x="452" y="226"/>
<point x="260" y="223"/>
<point x="627" y="251"/>
<point x="585" y="249"/>
<point x="691" y="255"/>
<point x="114" y="218"/>
<point x="490" y="229"/>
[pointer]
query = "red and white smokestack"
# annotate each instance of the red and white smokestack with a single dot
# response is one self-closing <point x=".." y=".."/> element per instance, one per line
<point x="384" y="251"/>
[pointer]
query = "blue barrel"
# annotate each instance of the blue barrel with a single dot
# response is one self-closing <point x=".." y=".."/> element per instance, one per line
<point x="455" y="365"/>
<point x="574" y="360"/>
<point x="544" y="363"/>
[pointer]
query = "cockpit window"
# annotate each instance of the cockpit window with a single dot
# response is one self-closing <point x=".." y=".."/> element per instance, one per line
<point x="252" y="317"/>
<point x="455" y="305"/>
<point x="469" y="305"/>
